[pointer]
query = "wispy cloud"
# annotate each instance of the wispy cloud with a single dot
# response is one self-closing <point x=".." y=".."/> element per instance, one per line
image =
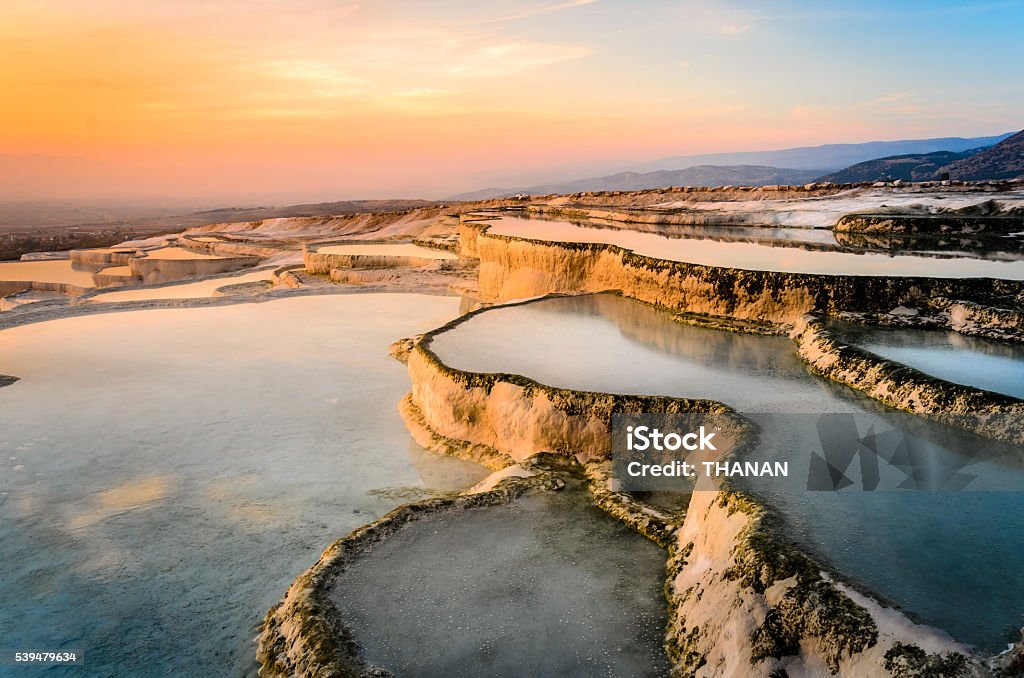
<point x="541" y="9"/>
<point x="898" y="101"/>
<point x="317" y="72"/>
<point x="421" y="92"/>
<point x="733" y="29"/>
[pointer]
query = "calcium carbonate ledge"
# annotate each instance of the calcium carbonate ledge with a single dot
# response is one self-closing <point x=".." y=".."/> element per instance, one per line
<point x="286" y="276"/>
<point x="8" y="287"/>
<point x="114" y="276"/>
<point x="675" y="217"/>
<point x="322" y="263"/>
<point x="518" y="416"/>
<point x="137" y="284"/>
<point x="229" y="247"/>
<point x="964" y="317"/>
<point x="471" y="225"/>
<point x="513" y="267"/>
<point x="656" y="196"/>
<point x="880" y="223"/>
<point x="153" y="269"/>
<point x="991" y="225"/>
<point x="939" y="246"/>
<point x="989" y="414"/>
<point x="106" y="256"/>
<point x="305" y="636"/>
<point x="743" y="599"/>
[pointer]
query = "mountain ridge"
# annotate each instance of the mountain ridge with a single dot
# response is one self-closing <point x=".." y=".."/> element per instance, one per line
<point x="1004" y="160"/>
<point x="792" y="165"/>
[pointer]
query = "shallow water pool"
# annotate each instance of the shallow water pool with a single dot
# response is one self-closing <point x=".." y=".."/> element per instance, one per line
<point x="165" y="474"/>
<point x="982" y="363"/>
<point x="548" y="585"/>
<point x="178" y="253"/>
<point x="189" y="290"/>
<point x="760" y="256"/>
<point x="951" y="558"/>
<point x="54" y="271"/>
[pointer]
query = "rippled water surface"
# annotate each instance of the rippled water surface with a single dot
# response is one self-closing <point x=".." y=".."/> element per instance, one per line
<point x="165" y="474"/>
<point x="952" y="558"/>
<point x="546" y="586"/>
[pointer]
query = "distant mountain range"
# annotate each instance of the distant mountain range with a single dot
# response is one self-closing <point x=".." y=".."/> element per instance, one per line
<point x="751" y="168"/>
<point x="910" y="167"/>
<point x="829" y="157"/>
<point x="1004" y="160"/>
<point x="701" y="175"/>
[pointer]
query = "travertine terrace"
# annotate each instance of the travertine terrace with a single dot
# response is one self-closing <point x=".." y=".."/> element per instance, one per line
<point x="742" y="596"/>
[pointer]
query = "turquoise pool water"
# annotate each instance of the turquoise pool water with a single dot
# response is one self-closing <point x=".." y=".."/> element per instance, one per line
<point x="762" y="256"/>
<point x="982" y="363"/>
<point x="166" y="474"/>
<point x="952" y="559"/>
<point x="548" y="585"/>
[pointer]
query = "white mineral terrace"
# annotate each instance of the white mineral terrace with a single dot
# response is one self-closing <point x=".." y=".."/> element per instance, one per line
<point x="823" y="212"/>
<point x="971" y="582"/>
<point x="757" y="256"/>
<point x="117" y="270"/>
<point x="190" y="290"/>
<point x="178" y="253"/>
<point x="388" y="250"/>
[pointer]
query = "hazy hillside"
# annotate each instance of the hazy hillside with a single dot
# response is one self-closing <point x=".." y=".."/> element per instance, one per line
<point x="801" y="165"/>
<point x="826" y="158"/>
<point x="911" y="167"/>
<point x="703" y="175"/>
<point x="1005" y="160"/>
<point x="33" y="226"/>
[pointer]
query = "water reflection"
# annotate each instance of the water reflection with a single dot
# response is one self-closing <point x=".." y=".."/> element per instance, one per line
<point x="982" y="363"/>
<point x="165" y="474"/>
<point x="762" y="255"/>
<point x="971" y="582"/>
<point x="548" y="585"/>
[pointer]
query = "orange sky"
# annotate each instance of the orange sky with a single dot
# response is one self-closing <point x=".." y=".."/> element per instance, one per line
<point x="321" y="99"/>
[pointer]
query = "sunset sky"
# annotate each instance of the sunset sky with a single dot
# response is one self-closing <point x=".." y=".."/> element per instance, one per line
<point x="317" y="99"/>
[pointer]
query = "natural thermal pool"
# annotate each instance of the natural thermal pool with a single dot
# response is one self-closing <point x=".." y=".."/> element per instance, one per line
<point x="388" y="250"/>
<point x="547" y="585"/>
<point x="189" y="290"/>
<point x="982" y="363"/>
<point x="971" y="582"/>
<point x="165" y="474"/>
<point x="49" y="271"/>
<point x="176" y="253"/>
<point x="759" y="256"/>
